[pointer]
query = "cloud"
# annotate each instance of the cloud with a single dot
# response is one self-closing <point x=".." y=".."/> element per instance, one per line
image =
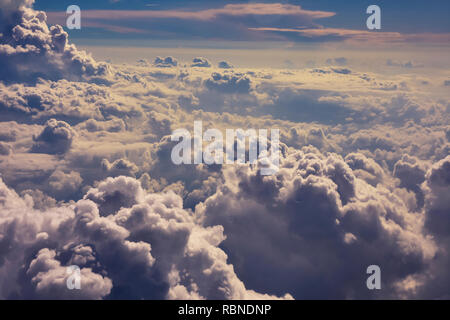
<point x="56" y="138"/>
<point x="170" y="256"/>
<point x="9" y="7"/>
<point x="410" y="171"/>
<point x="224" y="65"/>
<point x="29" y="49"/>
<point x="5" y="149"/>
<point x="120" y="167"/>
<point x="165" y="62"/>
<point x="276" y="231"/>
<point x="245" y="21"/>
<point x="407" y="64"/>
<point x="323" y="34"/>
<point x="437" y="222"/>
<point x="64" y="184"/>
<point x="234" y="10"/>
<point x="70" y="101"/>
<point x="39" y="200"/>
<point x="341" y="70"/>
<point x="114" y="125"/>
<point x="49" y="279"/>
<point x="228" y="83"/>
<point x="200" y="62"/>
<point x="340" y="61"/>
<point x="438" y="205"/>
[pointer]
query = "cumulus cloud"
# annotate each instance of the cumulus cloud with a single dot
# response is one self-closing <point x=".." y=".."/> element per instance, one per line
<point x="340" y="61"/>
<point x="438" y="204"/>
<point x="148" y="246"/>
<point x="64" y="184"/>
<point x="5" y="149"/>
<point x="165" y="62"/>
<point x="120" y="167"/>
<point x="29" y="49"/>
<point x="407" y="64"/>
<point x="56" y="138"/>
<point x="49" y="279"/>
<point x="114" y="125"/>
<point x="433" y="284"/>
<point x="411" y="172"/>
<point x="224" y="65"/>
<point x="200" y="62"/>
<point x="267" y="219"/>
<point x="228" y="83"/>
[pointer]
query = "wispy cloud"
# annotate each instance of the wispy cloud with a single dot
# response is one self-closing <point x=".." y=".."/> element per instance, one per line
<point x="237" y="10"/>
<point x="335" y="34"/>
<point x="231" y="21"/>
<point x="250" y="22"/>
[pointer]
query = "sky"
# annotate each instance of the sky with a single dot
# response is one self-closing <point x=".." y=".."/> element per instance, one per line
<point x="402" y="16"/>
<point x="87" y="176"/>
<point x="233" y="20"/>
<point x="267" y="27"/>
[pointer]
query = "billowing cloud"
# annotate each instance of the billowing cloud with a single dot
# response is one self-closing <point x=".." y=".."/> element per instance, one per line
<point x="5" y="149"/>
<point x="29" y="49"/>
<point x="200" y="62"/>
<point x="146" y="246"/>
<point x="49" y="279"/>
<point x="165" y="62"/>
<point x="56" y="138"/>
<point x="228" y="83"/>
<point x="267" y="219"/>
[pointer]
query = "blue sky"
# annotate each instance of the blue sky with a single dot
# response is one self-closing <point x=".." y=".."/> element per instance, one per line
<point x="401" y="16"/>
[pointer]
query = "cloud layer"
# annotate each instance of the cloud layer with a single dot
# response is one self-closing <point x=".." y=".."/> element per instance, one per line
<point x="87" y="177"/>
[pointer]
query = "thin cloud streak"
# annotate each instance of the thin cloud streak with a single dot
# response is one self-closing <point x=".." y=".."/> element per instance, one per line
<point x="257" y="9"/>
<point x="361" y="35"/>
